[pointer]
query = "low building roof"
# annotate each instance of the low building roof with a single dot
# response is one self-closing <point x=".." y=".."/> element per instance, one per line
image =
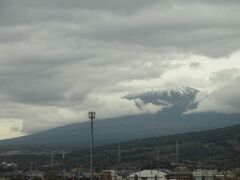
<point x="149" y="173"/>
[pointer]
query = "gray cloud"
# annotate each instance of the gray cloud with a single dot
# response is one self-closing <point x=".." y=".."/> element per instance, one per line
<point x="226" y="75"/>
<point x="203" y="27"/>
<point x="195" y="65"/>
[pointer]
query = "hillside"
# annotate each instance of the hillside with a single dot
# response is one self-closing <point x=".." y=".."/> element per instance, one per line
<point x="212" y="149"/>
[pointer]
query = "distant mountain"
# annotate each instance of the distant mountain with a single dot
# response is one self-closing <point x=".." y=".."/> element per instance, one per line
<point x="166" y="122"/>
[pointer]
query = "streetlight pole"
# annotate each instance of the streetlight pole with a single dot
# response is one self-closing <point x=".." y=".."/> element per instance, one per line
<point x="91" y="116"/>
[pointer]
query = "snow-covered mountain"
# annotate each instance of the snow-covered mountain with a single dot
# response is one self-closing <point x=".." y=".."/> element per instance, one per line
<point x="169" y="92"/>
<point x="181" y="98"/>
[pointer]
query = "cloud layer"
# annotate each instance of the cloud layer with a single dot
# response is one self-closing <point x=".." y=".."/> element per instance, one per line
<point x="58" y="59"/>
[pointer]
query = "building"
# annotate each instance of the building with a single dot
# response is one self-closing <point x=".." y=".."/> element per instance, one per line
<point x="180" y="175"/>
<point x="109" y="175"/>
<point x="35" y="175"/>
<point x="148" y="175"/>
<point x="200" y="174"/>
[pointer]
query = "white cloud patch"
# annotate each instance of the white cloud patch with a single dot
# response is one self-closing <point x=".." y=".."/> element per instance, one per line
<point x="147" y="107"/>
<point x="225" y="99"/>
<point x="10" y="128"/>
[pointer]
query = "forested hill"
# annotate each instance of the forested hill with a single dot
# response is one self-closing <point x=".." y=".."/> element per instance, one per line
<point x="212" y="149"/>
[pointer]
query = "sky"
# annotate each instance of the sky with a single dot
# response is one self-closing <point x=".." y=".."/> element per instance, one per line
<point x="59" y="59"/>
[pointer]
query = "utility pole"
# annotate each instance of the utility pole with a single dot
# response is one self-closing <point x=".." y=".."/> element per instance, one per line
<point x="31" y="166"/>
<point x="119" y="153"/>
<point x="52" y="154"/>
<point x="177" y="152"/>
<point x="91" y="116"/>
<point x="63" y="155"/>
<point x="158" y="157"/>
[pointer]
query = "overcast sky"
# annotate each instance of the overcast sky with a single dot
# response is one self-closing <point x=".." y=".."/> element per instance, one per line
<point x="59" y="58"/>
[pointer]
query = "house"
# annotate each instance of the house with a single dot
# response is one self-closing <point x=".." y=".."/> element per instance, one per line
<point x="200" y="174"/>
<point x="148" y="175"/>
<point x="110" y="175"/>
<point x="180" y="175"/>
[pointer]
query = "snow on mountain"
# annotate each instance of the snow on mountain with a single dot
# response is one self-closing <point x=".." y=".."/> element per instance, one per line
<point x="171" y="95"/>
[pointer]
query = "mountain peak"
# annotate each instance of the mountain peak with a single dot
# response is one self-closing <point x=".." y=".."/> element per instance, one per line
<point x="169" y="92"/>
<point x="168" y="98"/>
<point x="182" y="91"/>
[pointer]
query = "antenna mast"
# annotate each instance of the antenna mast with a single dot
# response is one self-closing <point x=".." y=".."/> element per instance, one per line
<point x="177" y="152"/>
<point x="119" y="153"/>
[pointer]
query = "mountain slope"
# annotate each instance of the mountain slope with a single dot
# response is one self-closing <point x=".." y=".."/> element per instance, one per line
<point x="166" y="122"/>
<point x="212" y="149"/>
